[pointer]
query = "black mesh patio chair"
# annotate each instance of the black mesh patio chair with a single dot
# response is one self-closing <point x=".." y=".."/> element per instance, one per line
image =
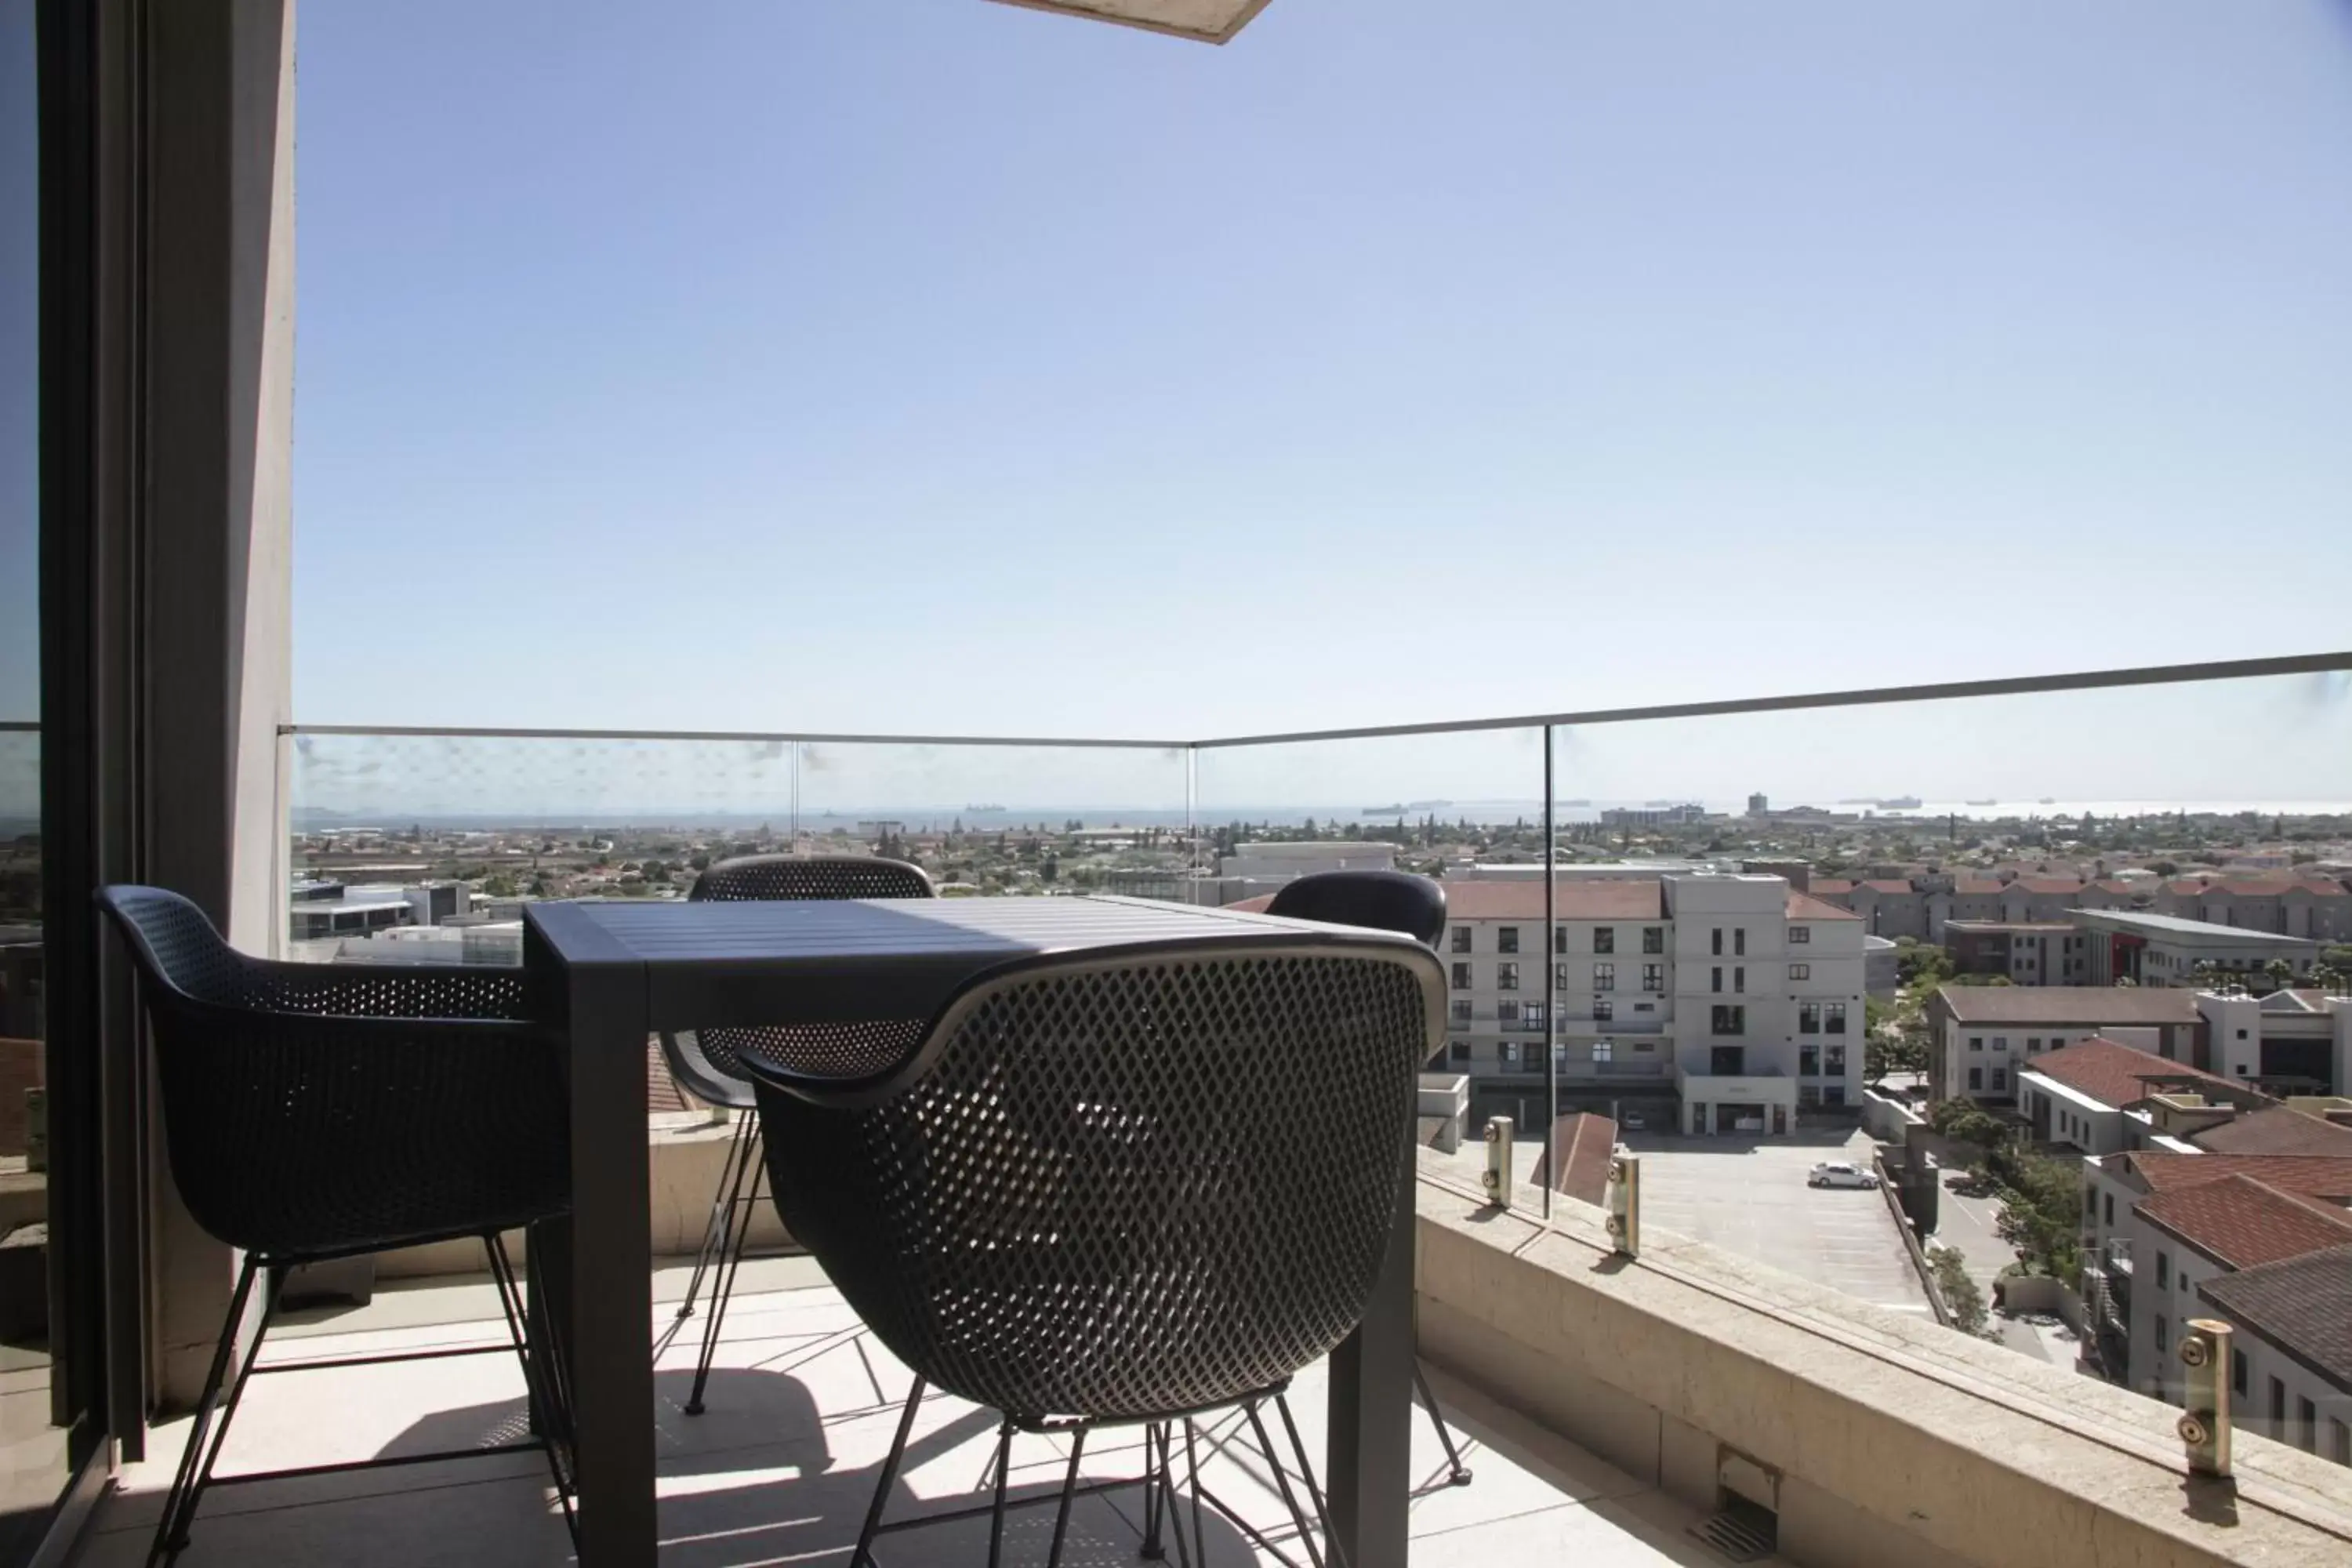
<point x="316" y="1111"/>
<point x="709" y="1062"/>
<point x="1125" y="1190"/>
<point x="1384" y="900"/>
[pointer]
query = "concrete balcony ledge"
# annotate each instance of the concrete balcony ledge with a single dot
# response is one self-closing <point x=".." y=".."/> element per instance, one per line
<point x="1878" y="1436"/>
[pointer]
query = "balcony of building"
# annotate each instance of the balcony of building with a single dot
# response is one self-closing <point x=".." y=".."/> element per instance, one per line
<point x="1686" y="1408"/>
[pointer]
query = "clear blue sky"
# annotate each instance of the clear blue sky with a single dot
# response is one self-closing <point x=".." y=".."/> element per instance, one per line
<point x="935" y="366"/>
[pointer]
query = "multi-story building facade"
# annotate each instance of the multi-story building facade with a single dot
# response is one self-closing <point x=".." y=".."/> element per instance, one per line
<point x="2316" y="908"/>
<point x="1984" y="1034"/>
<point x="2171" y="1236"/>
<point x="2156" y="950"/>
<point x="1729" y="1000"/>
<point x="2023" y="953"/>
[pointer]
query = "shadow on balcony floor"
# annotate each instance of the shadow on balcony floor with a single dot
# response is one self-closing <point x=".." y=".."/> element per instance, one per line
<point x="778" y="1469"/>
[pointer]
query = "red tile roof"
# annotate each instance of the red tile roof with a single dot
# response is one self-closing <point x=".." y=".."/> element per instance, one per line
<point x="1831" y="886"/>
<point x="2318" y="1175"/>
<point x="2304" y="1305"/>
<point x="1580" y="1146"/>
<point x="2068" y="885"/>
<point x="2245" y="1223"/>
<point x="2111" y="1074"/>
<point x="1582" y="899"/>
<point x="1977" y="886"/>
<point x="1888" y="885"/>
<point x="1804" y="906"/>
<point x="2275" y="1130"/>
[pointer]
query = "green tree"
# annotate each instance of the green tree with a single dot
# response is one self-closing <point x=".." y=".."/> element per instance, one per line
<point x="2041" y="1210"/>
<point x="1958" y="1288"/>
<point x="2279" y="973"/>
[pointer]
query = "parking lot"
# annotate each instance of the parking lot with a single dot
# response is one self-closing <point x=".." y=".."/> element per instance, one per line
<point x="1748" y="1194"/>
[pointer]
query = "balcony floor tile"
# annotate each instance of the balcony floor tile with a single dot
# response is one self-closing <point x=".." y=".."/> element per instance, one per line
<point x="800" y="1413"/>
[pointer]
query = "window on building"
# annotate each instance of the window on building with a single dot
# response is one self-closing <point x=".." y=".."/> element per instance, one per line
<point x="2163" y="1335"/>
<point x="1507" y="977"/>
<point x="1559" y="1058"/>
<point x="1833" y="1062"/>
<point x="1507" y="938"/>
<point x="1604" y="939"/>
<point x="1559" y="939"/>
<point x="1800" y="972"/>
<point x="1976" y="1077"/>
<point x="1976" y="1042"/>
<point x="1559" y="976"/>
<point x="1459" y="1050"/>
<point x="1460" y="939"/>
<point x="1506" y="1015"/>
<point x="1462" y="1013"/>
<point x="2340" y="1445"/>
<point x="1718" y="942"/>
<point x="1739" y="942"/>
<point x="1809" y="1094"/>
<point x="1605" y="1010"/>
<point x="1654" y="939"/>
<point x="1739" y="977"/>
<point x="1800" y="934"/>
<point x="1808" y="1017"/>
<point x="1833" y="1018"/>
<point x="1832" y="1094"/>
<point x="2238" y="1379"/>
<point x="1604" y="1050"/>
<point x="2307" y="1425"/>
<point x="1532" y="1016"/>
<point x="2091" y="1206"/>
<point x="1729" y="1020"/>
<point x="2000" y="1041"/>
<point x="1507" y="1053"/>
<point x="1809" y="1061"/>
<point x="2107" y="1204"/>
<point x="1654" y="978"/>
<point x="1604" y="977"/>
<point x="2163" y="1271"/>
<point x="2001" y="1080"/>
<point x="2032" y="1045"/>
<point x="2278" y="1408"/>
<point x="1462" y="977"/>
<point x="1717" y="982"/>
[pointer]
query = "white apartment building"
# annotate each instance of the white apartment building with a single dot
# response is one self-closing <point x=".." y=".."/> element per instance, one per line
<point x="2298" y="1041"/>
<point x="1984" y="1035"/>
<point x="1729" y="998"/>
<point x="2175" y="1235"/>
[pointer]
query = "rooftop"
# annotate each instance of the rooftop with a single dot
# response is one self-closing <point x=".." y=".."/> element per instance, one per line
<point x="2070" y="1004"/>
<point x="2115" y="1075"/>
<point x="2202" y="931"/>
<point x="2275" y="1130"/>
<point x="2304" y="1305"/>
<point x="1601" y="899"/>
<point x="2314" y="1175"/>
<point x="2243" y="1222"/>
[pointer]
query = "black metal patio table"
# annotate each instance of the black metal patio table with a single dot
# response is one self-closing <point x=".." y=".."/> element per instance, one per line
<point x="610" y="973"/>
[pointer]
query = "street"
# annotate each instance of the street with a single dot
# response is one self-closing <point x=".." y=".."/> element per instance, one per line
<point x="1971" y="1225"/>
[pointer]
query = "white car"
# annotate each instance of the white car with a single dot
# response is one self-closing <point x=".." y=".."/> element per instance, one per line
<point x="1838" y="1174"/>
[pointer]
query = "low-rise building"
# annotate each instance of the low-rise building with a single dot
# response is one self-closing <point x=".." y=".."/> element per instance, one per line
<point x="1984" y="1034"/>
<point x="2290" y="1041"/>
<point x="2291" y="1361"/>
<point x="2092" y="1097"/>
<point x="2023" y="953"/>
<point x="2157" y="950"/>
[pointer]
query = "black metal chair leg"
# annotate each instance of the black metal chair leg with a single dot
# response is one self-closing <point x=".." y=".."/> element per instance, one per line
<point x="1153" y="1549"/>
<point x="179" y="1503"/>
<point x="1069" y="1485"/>
<point x="1459" y="1473"/>
<point x="996" y="1514"/>
<point x="1192" y="1471"/>
<point x="863" y="1556"/>
<point x="1282" y="1484"/>
<point x="1305" y="1470"/>
<point x="722" y="1209"/>
<point x="556" y="1424"/>
<point x="722" y="1290"/>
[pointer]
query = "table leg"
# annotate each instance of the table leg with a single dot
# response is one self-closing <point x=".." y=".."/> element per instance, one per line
<point x="1370" y="1453"/>
<point x="609" y="1304"/>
